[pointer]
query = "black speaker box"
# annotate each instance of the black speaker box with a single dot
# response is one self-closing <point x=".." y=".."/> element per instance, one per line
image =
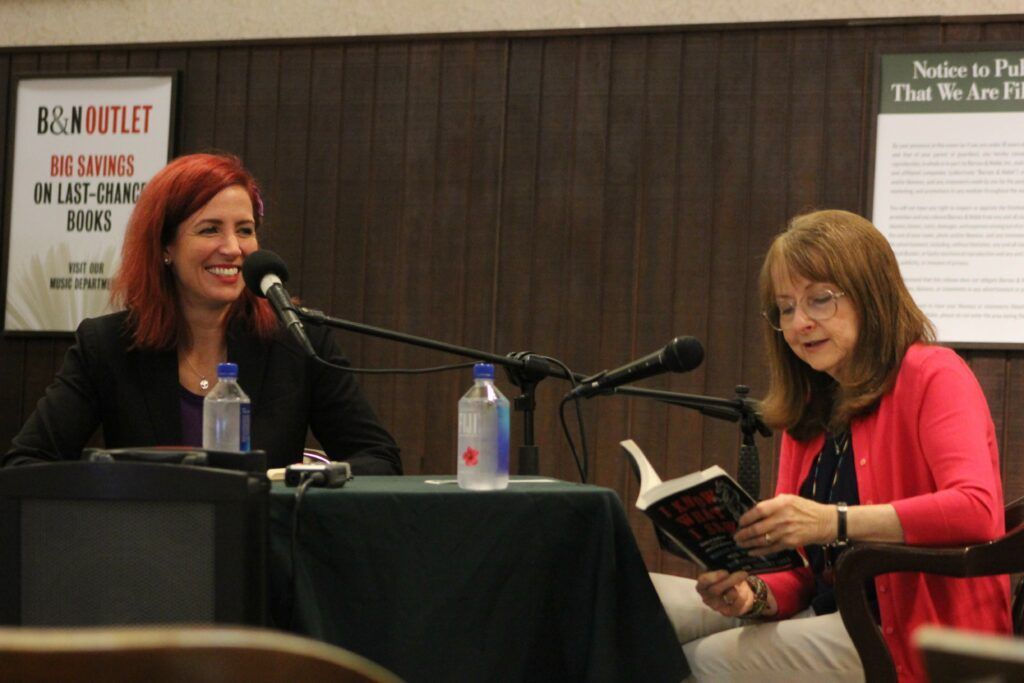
<point x="132" y="542"/>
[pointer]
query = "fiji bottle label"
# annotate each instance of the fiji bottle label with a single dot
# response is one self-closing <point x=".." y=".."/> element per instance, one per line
<point x="468" y="431"/>
<point x="245" y="413"/>
<point x="467" y="423"/>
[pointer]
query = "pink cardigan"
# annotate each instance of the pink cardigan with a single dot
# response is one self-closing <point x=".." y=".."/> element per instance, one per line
<point x="929" y="450"/>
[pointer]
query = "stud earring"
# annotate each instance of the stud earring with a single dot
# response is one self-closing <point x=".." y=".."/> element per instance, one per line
<point x="167" y="261"/>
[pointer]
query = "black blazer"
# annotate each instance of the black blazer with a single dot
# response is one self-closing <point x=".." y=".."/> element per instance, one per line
<point x="135" y="396"/>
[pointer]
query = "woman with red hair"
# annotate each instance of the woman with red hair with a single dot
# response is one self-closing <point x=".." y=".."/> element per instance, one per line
<point x="142" y="373"/>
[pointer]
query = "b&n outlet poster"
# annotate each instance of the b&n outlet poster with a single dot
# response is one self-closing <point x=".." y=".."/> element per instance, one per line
<point x="84" y="148"/>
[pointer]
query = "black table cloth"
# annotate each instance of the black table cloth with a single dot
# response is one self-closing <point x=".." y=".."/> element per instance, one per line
<point x="542" y="581"/>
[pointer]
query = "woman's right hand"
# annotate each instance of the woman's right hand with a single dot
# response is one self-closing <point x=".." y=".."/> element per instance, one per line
<point x="728" y="594"/>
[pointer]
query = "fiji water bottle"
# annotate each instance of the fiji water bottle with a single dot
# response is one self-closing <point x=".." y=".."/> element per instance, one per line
<point x="226" y="413"/>
<point x="483" y="433"/>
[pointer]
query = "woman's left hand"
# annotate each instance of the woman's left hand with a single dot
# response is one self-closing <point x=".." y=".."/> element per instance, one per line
<point x="728" y="594"/>
<point x="786" y="521"/>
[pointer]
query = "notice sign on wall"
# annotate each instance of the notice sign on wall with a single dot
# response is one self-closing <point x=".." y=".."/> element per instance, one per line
<point x="83" y="149"/>
<point x="949" y="188"/>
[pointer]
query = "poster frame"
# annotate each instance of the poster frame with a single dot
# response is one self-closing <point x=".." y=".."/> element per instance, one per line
<point x="871" y="142"/>
<point x="12" y="138"/>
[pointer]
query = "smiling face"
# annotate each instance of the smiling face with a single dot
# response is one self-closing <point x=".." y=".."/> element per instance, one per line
<point x="209" y="247"/>
<point x="825" y="345"/>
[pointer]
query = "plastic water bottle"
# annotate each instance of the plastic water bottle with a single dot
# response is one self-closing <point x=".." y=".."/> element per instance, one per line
<point x="226" y="412"/>
<point x="483" y="433"/>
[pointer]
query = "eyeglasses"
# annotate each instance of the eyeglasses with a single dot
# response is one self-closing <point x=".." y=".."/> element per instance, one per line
<point x="818" y="305"/>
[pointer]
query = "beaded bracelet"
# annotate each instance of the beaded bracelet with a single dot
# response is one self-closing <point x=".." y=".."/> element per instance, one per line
<point x="760" y="589"/>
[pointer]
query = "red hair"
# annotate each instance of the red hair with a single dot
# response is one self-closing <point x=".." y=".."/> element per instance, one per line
<point x="143" y="284"/>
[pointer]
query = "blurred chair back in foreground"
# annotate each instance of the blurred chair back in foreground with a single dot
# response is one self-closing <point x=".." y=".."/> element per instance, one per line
<point x="954" y="656"/>
<point x="172" y="654"/>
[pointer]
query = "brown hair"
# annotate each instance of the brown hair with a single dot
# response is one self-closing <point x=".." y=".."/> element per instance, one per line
<point x="142" y="284"/>
<point x="845" y="249"/>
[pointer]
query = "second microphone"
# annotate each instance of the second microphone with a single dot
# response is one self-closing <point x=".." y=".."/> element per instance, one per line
<point x="682" y="354"/>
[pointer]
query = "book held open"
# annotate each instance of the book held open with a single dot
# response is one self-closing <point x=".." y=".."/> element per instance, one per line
<point x="695" y="517"/>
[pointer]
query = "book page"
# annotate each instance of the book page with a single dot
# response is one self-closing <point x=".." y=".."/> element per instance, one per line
<point x="672" y="486"/>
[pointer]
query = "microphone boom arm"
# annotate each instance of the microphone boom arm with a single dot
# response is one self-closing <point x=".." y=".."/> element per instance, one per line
<point x="524" y="369"/>
<point x="740" y="409"/>
<point x="531" y="363"/>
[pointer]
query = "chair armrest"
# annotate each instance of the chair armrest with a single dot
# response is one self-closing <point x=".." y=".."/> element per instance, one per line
<point x="864" y="561"/>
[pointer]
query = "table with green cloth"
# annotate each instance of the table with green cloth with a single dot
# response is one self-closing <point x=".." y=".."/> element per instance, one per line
<point x="540" y="582"/>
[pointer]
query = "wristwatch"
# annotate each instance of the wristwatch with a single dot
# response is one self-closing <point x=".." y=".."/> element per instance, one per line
<point x="760" y="589"/>
<point x="841" y="538"/>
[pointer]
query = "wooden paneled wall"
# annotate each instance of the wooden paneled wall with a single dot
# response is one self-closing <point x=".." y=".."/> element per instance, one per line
<point x="587" y="197"/>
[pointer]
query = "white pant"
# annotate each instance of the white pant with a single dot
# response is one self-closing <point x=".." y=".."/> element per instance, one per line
<point x="805" y="647"/>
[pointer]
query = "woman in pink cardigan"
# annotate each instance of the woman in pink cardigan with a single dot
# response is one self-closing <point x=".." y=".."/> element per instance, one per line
<point x="887" y="438"/>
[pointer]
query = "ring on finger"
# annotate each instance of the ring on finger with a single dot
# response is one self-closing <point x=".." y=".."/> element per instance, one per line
<point x="767" y="538"/>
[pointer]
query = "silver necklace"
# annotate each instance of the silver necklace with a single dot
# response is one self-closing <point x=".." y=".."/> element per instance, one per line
<point x="204" y="383"/>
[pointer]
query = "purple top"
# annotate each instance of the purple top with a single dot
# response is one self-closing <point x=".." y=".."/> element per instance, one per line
<point x="191" y="418"/>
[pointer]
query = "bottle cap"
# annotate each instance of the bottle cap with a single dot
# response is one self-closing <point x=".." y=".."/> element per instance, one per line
<point x="227" y="370"/>
<point x="483" y="371"/>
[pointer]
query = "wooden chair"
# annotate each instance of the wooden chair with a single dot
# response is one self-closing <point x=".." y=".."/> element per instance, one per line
<point x="864" y="561"/>
<point x="172" y="654"/>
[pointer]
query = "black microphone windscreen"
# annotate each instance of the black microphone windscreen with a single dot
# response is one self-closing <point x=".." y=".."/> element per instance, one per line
<point x="683" y="354"/>
<point x="259" y="264"/>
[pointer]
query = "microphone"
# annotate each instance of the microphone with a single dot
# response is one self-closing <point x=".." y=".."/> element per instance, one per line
<point x="682" y="354"/>
<point x="265" y="273"/>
